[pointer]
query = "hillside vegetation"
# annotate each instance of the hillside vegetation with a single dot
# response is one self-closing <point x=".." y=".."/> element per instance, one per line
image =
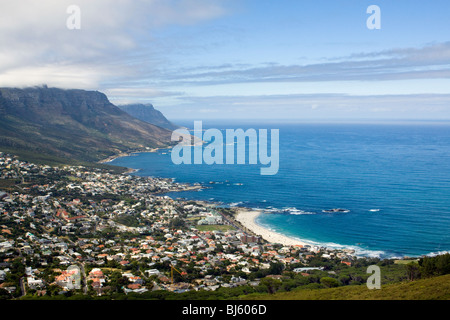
<point x="436" y="288"/>
<point x="70" y="125"/>
<point x="426" y="279"/>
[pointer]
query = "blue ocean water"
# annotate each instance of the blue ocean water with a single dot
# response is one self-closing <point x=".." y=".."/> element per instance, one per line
<point x="394" y="179"/>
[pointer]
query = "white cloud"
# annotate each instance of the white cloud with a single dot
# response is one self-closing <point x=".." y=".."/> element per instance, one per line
<point x="36" y="40"/>
<point x="297" y="107"/>
<point x="428" y="62"/>
<point x="53" y="75"/>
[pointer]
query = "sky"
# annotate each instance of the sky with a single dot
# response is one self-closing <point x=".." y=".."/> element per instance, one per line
<point x="237" y="59"/>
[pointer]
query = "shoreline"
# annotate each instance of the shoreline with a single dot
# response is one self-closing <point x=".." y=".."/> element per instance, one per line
<point x="247" y="218"/>
<point x="126" y="154"/>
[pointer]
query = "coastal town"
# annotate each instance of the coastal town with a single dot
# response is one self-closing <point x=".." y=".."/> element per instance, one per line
<point x="86" y="230"/>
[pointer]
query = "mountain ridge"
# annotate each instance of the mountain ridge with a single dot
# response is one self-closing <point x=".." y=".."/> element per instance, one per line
<point x="72" y="124"/>
<point x="148" y="113"/>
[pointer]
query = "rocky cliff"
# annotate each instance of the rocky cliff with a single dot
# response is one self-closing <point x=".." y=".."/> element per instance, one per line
<point x="74" y="124"/>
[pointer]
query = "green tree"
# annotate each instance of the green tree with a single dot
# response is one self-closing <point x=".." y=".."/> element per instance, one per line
<point x="271" y="285"/>
<point x="177" y="223"/>
<point x="276" y="268"/>
<point x="412" y="271"/>
<point x="329" y="282"/>
<point x="4" y="295"/>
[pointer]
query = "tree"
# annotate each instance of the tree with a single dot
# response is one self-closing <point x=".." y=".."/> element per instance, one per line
<point x="443" y="264"/>
<point x="329" y="282"/>
<point x="4" y="295"/>
<point x="412" y="271"/>
<point x="431" y="266"/>
<point x="276" y="268"/>
<point x="177" y="223"/>
<point x="427" y="266"/>
<point x="344" y="279"/>
<point x="271" y="285"/>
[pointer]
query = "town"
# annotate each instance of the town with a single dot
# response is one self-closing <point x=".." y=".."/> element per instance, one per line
<point x="122" y="235"/>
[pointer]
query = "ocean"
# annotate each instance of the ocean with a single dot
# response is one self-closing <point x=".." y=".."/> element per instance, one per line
<point x="394" y="178"/>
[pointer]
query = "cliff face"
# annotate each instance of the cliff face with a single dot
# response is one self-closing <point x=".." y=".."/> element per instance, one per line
<point x="74" y="124"/>
<point x="147" y="113"/>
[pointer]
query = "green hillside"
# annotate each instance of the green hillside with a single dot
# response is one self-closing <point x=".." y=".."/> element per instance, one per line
<point x="70" y="125"/>
<point x="436" y="288"/>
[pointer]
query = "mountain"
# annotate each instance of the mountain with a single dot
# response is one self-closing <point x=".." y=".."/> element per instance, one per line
<point x="71" y="124"/>
<point x="147" y="113"/>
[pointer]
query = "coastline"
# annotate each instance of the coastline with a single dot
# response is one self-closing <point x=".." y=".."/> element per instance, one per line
<point x="126" y="154"/>
<point x="247" y="218"/>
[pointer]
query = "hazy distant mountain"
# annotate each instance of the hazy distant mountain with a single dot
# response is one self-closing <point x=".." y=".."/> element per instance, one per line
<point x="75" y="124"/>
<point x="147" y="113"/>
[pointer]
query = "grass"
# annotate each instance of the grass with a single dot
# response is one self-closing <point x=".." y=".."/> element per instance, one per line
<point x="436" y="288"/>
<point x="193" y="218"/>
<point x="406" y="261"/>
<point x="72" y="178"/>
<point x="214" y="227"/>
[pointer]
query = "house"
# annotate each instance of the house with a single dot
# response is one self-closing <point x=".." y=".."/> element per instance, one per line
<point x="34" y="283"/>
<point x="124" y="262"/>
<point x="299" y="270"/>
<point x="134" y="286"/>
<point x="68" y="279"/>
<point x="152" y="272"/>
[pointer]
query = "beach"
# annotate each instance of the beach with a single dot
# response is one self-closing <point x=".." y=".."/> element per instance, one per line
<point x="247" y="218"/>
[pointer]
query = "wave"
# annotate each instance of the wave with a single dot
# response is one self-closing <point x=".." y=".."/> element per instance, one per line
<point x="296" y="211"/>
<point x="357" y="250"/>
<point x="289" y="210"/>
<point x="235" y="204"/>
<point x="438" y="253"/>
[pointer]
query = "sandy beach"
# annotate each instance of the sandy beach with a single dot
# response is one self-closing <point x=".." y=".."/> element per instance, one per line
<point x="247" y="219"/>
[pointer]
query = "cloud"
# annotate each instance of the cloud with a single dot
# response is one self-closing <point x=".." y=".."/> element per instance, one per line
<point x="429" y="62"/>
<point x="113" y="35"/>
<point x="137" y="50"/>
<point x="315" y="106"/>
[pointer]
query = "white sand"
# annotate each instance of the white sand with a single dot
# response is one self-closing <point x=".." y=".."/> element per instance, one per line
<point x="247" y="219"/>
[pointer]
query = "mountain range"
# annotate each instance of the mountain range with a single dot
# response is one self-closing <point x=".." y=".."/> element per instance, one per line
<point x="147" y="113"/>
<point x="72" y="124"/>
